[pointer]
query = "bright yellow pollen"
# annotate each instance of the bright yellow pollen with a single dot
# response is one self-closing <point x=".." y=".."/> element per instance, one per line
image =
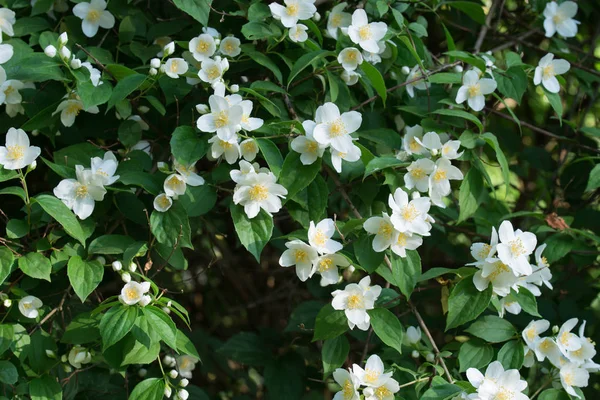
<point x="9" y="90"/>
<point x="439" y="175"/>
<point x="312" y="147"/>
<point x="27" y="306"/>
<point x="184" y="363"/>
<point x="173" y="181"/>
<point x="93" y="15"/>
<point x="292" y="10"/>
<point x="249" y="147"/>
<point x="81" y="191"/>
<point x="504" y="394"/>
<point x="355" y="301"/>
<point x="544" y="261"/>
<point x="348" y="389"/>
<point x="364" y="32"/>
<point x="229" y="48"/>
<point x="485" y="250"/>
<point x="577" y="353"/>
<point x="545" y="345"/>
<point x="371" y="376"/>
<point x="225" y="145"/>
<point x="337" y="128"/>
<point x="163" y="201"/>
<point x="414" y="145"/>
<point x="530" y="333"/>
<point x="300" y="256"/>
<point x="74" y="108"/>
<point x="222" y="119"/>
<point x="202" y="47"/>
<point x="382" y="392"/>
<point x="418" y="173"/>
<point x="409" y="213"/>
<point x="499" y="267"/>
<point x="351" y="56"/>
<point x="401" y="239"/>
<point x="213" y="72"/>
<point x="385" y="230"/>
<point x="548" y="71"/>
<point x="15" y="152"/>
<point x="258" y="192"/>
<point x="564" y="337"/>
<point x="130" y="293"/>
<point x="516" y="247"/>
<point x="326" y="264"/>
<point x="474" y="90"/>
<point x="319" y="238"/>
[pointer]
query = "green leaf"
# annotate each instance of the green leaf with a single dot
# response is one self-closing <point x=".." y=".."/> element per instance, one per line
<point x="467" y="58"/>
<point x="472" y="9"/>
<point x="134" y="352"/>
<point x="45" y="388"/>
<point x="554" y="394"/>
<point x="110" y="244"/>
<point x="16" y="228"/>
<point x="85" y="276"/>
<point x="271" y="154"/>
<point x="466" y="302"/>
<point x="470" y="195"/>
<point x="36" y="266"/>
<point x="61" y="213"/>
<point x="246" y="348"/>
<point x="417" y="28"/>
<point x="253" y="233"/>
<point x="185" y="346"/>
<point x="153" y="388"/>
<point x="492" y="329"/>
<point x="198" y="9"/>
<point x="198" y="200"/>
<point x="7" y="335"/>
<point x="172" y="227"/>
<point x="92" y="95"/>
<point x="442" y="392"/>
<point x="460" y="114"/>
<point x="556" y="103"/>
<point x="116" y="323"/>
<point x="186" y="146"/>
<point x="8" y="373"/>
<point x="474" y="354"/>
<point x="376" y="80"/>
<point x="255" y="30"/>
<point x="305" y="61"/>
<point x="368" y="258"/>
<point x="295" y="176"/>
<point x="387" y="327"/>
<point x="6" y="174"/>
<point x="263" y="60"/>
<point x="330" y="323"/>
<point x="406" y="271"/>
<point x="385" y="137"/>
<point x="527" y="301"/>
<point x="124" y="88"/>
<point x="512" y="83"/>
<point x="381" y="163"/>
<point x="6" y="261"/>
<point x="511" y="355"/>
<point x="334" y="354"/>
<point x="317" y="197"/>
<point x="162" y="324"/>
<point x="82" y="329"/>
<point x="594" y="179"/>
<point x="491" y="139"/>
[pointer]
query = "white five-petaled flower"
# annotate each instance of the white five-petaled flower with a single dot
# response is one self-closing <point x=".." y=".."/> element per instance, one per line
<point x="355" y="300"/>
<point x="249" y="149"/>
<point x="349" y="384"/>
<point x="95" y="73"/>
<point x="229" y="150"/>
<point x="259" y="190"/>
<point x="373" y="374"/>
<point x="202" y="47"/>
<point x="211" y="71"/>
<point x="104" y="168"/>
<point x="94" y="15"/>
<point x="405" y="241"/>
<point x="188" y="174"/>
<point x="294" y="11"/>
<point x="230" y="46"/>
<point x="415" y="80"/>
<point x="418" y="174"/>
<point x="29" y="306"/>
<point x="224" y="119"/>
<point x="566" y="340"/>
<point x="383" y="392"/>
<point x="335" y="129"/>
<point x="439" y="180"/>
<point x="133" y="292"/>
<point x="515" y="247"/>
<point x="365" y="34"/>
<point x="500" y="275"/>
<point x="81" y="194"/>
<point x="162" y="202"/>
<point x="532" y="331"/>
<point x="474" y="89"/>
<point x="352" y="155"/>
<point x="17" y="153"/>
<point x="383" y="229"/>
<point x="9" y="92"/>
<point x="175" y="67"/>
<point x="185" y="365"/>
<point x="573" y="375"/>
<point x="307" y="146"/>
<point x="482" y="251"/>
<point x="174" y="185"/>
<point x="248" y="123"/>
<point x="410" y="216"/>
<point x="297" y="33"/>
<point x="546" y="71"/>
<point x="70" y="108"/>
<point x="350" y="58"/>
<point x="559" y="18"/>
<point x="327" y="266"/>
<point x="79" y="355"/>
<point x="498" y="383"/>
<point x="338" y="19"/>
<point x="302" y="256"/>
<point x="411" y="142"/>
<point x="319" y="237"/>
<point x="7" y="20"/>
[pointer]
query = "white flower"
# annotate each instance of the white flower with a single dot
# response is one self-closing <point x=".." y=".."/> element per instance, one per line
<point x="409" y="216"/>
<point x="473" y="90"/>
<point x="350" y="77"/>
<point x="75" y="63"/>
<point x="412" y="336"/>
<point x="239" y="175"/>
<point x="70" y="108"/>
<point x="202" y="47"/>
<point x="411" y="84"/>
<point x="174" y="185"/>
<point x="411" y="142"/>
<point x="162" y="202"/>
<point x="81" y="194"/>
<point x="482" y="251"/>
<point x="9" y="92"/>
<point x="532" y="331"/>
<point x="373" y="375"/>
<point x="515" y="247"/>
<point x="405" y="241"/>
<point x="307" y="146"/>
<point x="383" y="229"/>
<point x="117" y="265"/>
<point x="327" y="266"/>
<point x="366" y="34"/>
<point x="508" y="304"/>
<point x="249" y="149"/>
<point x="585" y="353"/>
<point x="338" y="19"/>
<point x="335" y="129"/>
<point x="350" y="58"/>
<point x="212" y="71"/>
<point x="211" y="31"/>
<point x="258" y="191"/>
<point x="185" y="365"/>
<point x="133" y="292"/>
<point x="383" y="392"/>
<point x="500" y="275"/>
<point x="547" y="348"/>
<point x="319" y="237"/>
<point x="450" y="150"/>
<point x="7" y="20"/>
<point x="219" y="147"/>
<point x="349" y="384"/>
<point x="104" y="169"/>
<point x="143" y="124"/>
<point x="95" y="74"/>
<point x="572" y="375"/>
<point x="297" y="33"/>
<point x="29" y="306"/>
<point x="418" y="174"/>
<point x="188" y="174"/>
<point x="355" y="300"/>
<point x="546" y="71"/>
<point x="559" y="18"/>
<point x="79" y="355"/>
<point x="248" y="123"/>
<point x="566" y="340"/>
<point x="222" y="119"/>
<point x="6" y="53"/>
<point x="17" y="153"/>
<point x="497" y="383"/>
<point x="94" y="15"/>
<point x="439" y="180"/>
<point x="175" y="67"/>
<point x="126" y="277"/>
<point x="143" y="145"/>
<point x="230" y="46"/>
<point x="294" y="11"/>
<point x="352" y="155"/>
<point x="302" y="256"/>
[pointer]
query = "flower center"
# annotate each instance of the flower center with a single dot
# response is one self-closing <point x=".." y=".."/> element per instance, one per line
<point x="93" y="15"/>
<point x="229" y="48"/>
<point x="530" y="333"/>
<point x="402" y="239"/>
<point x="355" y="301"/>
<point x="292" y="10"/>
<point x="337" y="128"/>
<point x="371" y="376"/>
<point x="164" y="202"/>
<point x="174" y="181"/>
<point x="74" y="108"/>
<point x="499" y="267"/>
<point x="364" y="32"/>
<point x="225" y="145"/>
<point x="558" y="18"/>
<point x="336" y="20"/>
<point x="351" y="56"/>
<point x="409" y="213"/>
<point x="258" y="192"/>
<point x="249" y="147"/>
<point x="564" y="338"/>
<point x="213" y="73"/>
<point x="325" y="264"/>
<point x="300" y="256"/>
<point x="174" y="65"/>
<point x="27" y="306"/>
<point x="9" y="90"/>
<point x="319" y="238"/>
<point x="16" y="152"/>
<point x="131" y="294"/>
<point x="414" y="145"/>
<point x="385" y="230"/>
<point x="202" y="47"/>
<point x="485" y="250"/>
<point x="545" y="345"/>
<point x="474" y="90"/>
<point x="222" y="119"/>
<point x="418" y="173"/>
<point x="569" y="379"/>
<point x="548" y="71"/>
<point x="439" y="175"/>
<point x="382" y="392"/>
<point x="312" y="147"/>
<point x="516" y="247"/>
<point x="348" y="389"/>
<point x="504" y="394"/>
<point x="544" y="261"/>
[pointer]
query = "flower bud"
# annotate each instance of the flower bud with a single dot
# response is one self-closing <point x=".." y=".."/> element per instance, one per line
<point x="405" y="70"/>
<point x="168" y="391"/>
<point x="169" y="303"/>
<point x="153" y="71"/>
<point x="183" y="394"/>
<point x="67" y="368"/>
<point x="35" y="132"/>
<point x="32" y="166"/>
<point x="393" y="75"/>
<point x="234" y="88"/>
<point x="173" y="374"/>
<point x="117" y="266"/>
<point x="76" y="63"/>
<point x="316" y="17"/>
<point x="166" y="310"/>
<point x="63" y="38"/>
<point x="217" y="41"/>
<point x="145" y="300"/>
<point x="415" y="354"/>
<point x="64" y="358"/>
<point x="169" y="49"/>
<point x="169" y="361"/>
<point x="50" y="353"/>
<point x="50" y="51"/>
<point x="65" y="53"/>
<point x="415" y="195"/>
<point x="555" y="329"/>
<point x="125" y="277"/>
<point x="202" y="108"/>
<point x="142" y="372"/>
<point x="132" y="266"/>
<point x="184" y="382"/>
<point x="143" y="109"/>
<point x="244" y="79"/>
<point x="7" y="303"/>
<point x="430" y="357"/>
<point x="101" y="260"/>
<point x="155" y="63"/>
<point x="458" y="68"/>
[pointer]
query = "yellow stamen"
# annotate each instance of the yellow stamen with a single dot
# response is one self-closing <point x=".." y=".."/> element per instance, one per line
<point x="222" y="119"/>
<point x="409" y="213"/>
<point x="300" y="255"/>
<point x="93" y="15"/>
<point x="292" y="10"/>
<point x="337" y="128"/>
<point x="418" y="173"/>
<point x="382" y="392"/>
<point x="213" y="73"/>
<point x="385" y="229"/>
<point x="355" y="301"/>
<point x="516" y="247"/>
<point x="371" y="376"/>
<point x="258" y="192"/>
<point x="364" y="32"/>
<point x="326" y="264"/>
<point x="319" y="238"/>
<point x="81" y="191"/>
<point x="474" y="90"/>
<point x="225" y="145"/>
<point x="402" y="237"/>
<point x="15" y="152"/>
<point x="439" y="175"/>
<point x="202" y="47"/>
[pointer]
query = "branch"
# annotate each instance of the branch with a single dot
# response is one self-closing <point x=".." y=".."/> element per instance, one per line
<point x="484" y="28"/>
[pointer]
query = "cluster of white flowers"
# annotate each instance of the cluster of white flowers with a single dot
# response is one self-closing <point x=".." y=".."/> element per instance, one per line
<point x="504" y="263"/>
<point x="330" y="130"/>
<point x="571" y="354"/>
<point x="291" y="13"/>
<point x="256" y="188"/>
<point x="559" y="18"/>
<point x="17" y="152"/>
<point x="81" y="194"/>
<point x="175" y="184"/>
<point x="355" y="300"/>
<point x="9" y="88"/>
<point x="496" y="383"/>
<point x="378" y="384"/>
<point x="182" y="366"/>
<point x="94" y="15"/>
<point x="319" y="256"/>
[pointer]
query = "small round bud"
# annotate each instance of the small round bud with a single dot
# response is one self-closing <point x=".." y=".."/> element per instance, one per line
<point x="168" y="391"/>
<point x="65" y="53"/>
<point x="458" y="68"/>
<point x="76" y="63"/>
<point x="64" y="358"/>
<point x="166" y="310"/>
<point x="161" y="165"/>
<point x="169" y="303"/>
<point x="173" y="374"/>
<point x="183" y="394"/>
<point x="415" y="195"/>
<point x="316" y="17"/>
<point x="143" y="109"/>
<point x="244" y="79"/>
<point x="555" y="329"/>
<point x="50" y="51"/>
<point x="184" y="382"/>
<point x="145" y="300"/>
<point x="7" y="303"/>
<point x="142" y="372"/>
<point x="153" y="71"/>
<point x="132" y="266"/>
<point x="162" y="68"/>
<point x="434" y="152"/>
<point x="169" y="361"/>
<point x="415" y="354"/>
<point x="117" y="266"/>
<point x="202" y="108"/>
<point x="67" y="368"/>
<point x="101" y="260"/>
<point x="50" y="353"/>
<point x="35" y="132"/>
<point x="63" y="38"/>
<point x="393" y="75"/>
<point x="405" y="70"/>
<point x="155" y="63"/>
<point x="430" y="357"/>
<point x="234" y="88"/>
<point x="169" y="49"/>
<point x="58" y="133"/>
<point x="125" y="277"/>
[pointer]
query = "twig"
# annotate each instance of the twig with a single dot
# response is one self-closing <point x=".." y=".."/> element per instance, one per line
<point x="414" y="382"/>
<point x="485" y="27"/>
<point x="96" y="61"/>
